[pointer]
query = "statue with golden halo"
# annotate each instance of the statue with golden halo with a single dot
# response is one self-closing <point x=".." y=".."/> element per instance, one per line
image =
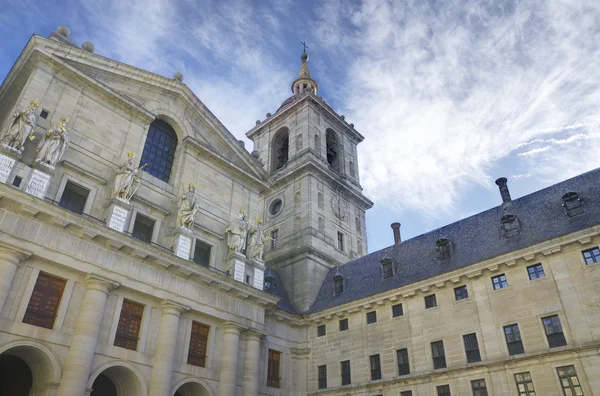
<point x="21" y="127"/>
<point x="54" y="143"/>
<point x="256" y="241"/>
<point x="236" y="233"/>
<point x="126" y="183"/>
<point x="188" y="207"/>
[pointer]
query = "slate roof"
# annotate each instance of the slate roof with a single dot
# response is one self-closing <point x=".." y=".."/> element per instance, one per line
<point x="474" y="239"/>
<point x="278" y="290"/>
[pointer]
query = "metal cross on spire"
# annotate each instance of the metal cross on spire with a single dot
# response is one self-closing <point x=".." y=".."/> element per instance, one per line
<point x="304" y="45"/>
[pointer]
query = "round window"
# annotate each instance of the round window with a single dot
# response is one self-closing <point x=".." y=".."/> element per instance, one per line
<point x="276" y="206"/>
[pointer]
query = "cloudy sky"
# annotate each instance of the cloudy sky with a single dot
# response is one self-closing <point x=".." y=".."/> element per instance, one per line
<point x="450" y="95"/>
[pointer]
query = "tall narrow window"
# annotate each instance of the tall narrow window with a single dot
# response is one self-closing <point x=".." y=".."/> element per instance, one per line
<point x="44" y="302"/>
<point x="143" y="228"/>
<point x="338" y="284"/>
<point x="273" y="376"/>
<point x="159" y="150"/>
<point x="333" y="150"/>
<point x="479" y="388"/>
<point x="198" y="343"/>
<point x="346" y="378"/>
<point x="375" y="367"/>
<point x="569" y="381"/>
<point x="280" y="149"/>
<point x="403" y="364"/>
<point x="443" y="390"/>
<point x="321" y="331"/>
<point x="524" y="384"/>
<point x="320" y="200"/>
<point x="472" y="348"/>
<point x="554" y="332"/>
<point x="357" y="224"/>
<point x="513" y="339"/>
<point x="130" y="322"/>
<point x="202" y="253"/>
<point x="351" y="168"/>
<point x="438" y="354"/>
<point x="299" y="142"/>
<point x="340" y="241"/>
<point x="297" y="200"/>
<point x="387" y="270"/>
<point x="274" y="239"/>
<point x="74" y="197"/>
<point x="318" y="145"/>
<point x="321" y="224"/>
<point x="322" y="374"/>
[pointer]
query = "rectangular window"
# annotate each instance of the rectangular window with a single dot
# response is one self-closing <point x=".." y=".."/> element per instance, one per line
<point x="438" y="354"/>
<point x="406" y="393"/>
<point x="371" y="317"/>
<point x="130" y="322"/>
<point x="461" y="292"/>
<point x="479" y="388"/>
<point x="338" y="285"/>
<point x="17" y="181"/>
<point x="591" y="256"/>
<point x="44" y="114"/>
<point x="143" y="228"/>
<point x="346" y="379"/>
<point x="322" y="370"/>
<point x="513" y="339"/>
<point x="202" y="253"/>
<point x="443" y="390"/>
<point x="397" y="310"/>
<point x="44" y="302"/>
<point x="73" y="198"/>
<point x="387" y="270"/>
<point x="274" y="239"/>
<point x="499" y="282"/>
<point x="375" y="367"/>
<point x="321" y="331"/>
<point x="554" y="332"/>
<point x="273" y="377"/>
<point x="430" y="301"/>
<point x="524" y="384"/>
<point x="198" y="343"/>
<point x="343" y="324"/>
<point x="569" y="381"/>
<point x="472" y="348"/>
<point x="340" y="241"/>
<point x="535" y="271"/>
<point x="403" y="364"/>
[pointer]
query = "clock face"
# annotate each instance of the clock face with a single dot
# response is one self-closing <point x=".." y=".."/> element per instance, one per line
<point x="339" y="207"/>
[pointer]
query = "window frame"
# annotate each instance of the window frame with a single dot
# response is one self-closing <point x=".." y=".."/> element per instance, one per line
<point x="526" y="391"/>
<point x="428" y="299"/>
<point x="168" y="133"/>
<point x="34" y="317"/>
<point x="404" y="367"/>
<point x="274" y="234"/>
<point x="191" y="355"/>
<point x="155" y="227"/>
<point x="375" y="367"/>
<point x="458" y="293"/>
<point x="595" y="257"/>
<point x="481" y="390"/>
<point x="92" y="191"/>
<point x="395" y="308"/>
<point x="125" y="337"/>
<point x="502" y="283"/>
<point x="387" y="270"/>
<point x="345" y="377"/>
<point x="74" y="186"/>
<point x="535" y="274"/>
<point x="340" y="241"/>
<point x="210" y="250"/>
<point x="569" y="377"/>
<point x="443" y="388"/>
<point x="472" y="350"/>
<point x="273" y="376"/>
<point x="338" y="285"/>
<point x="513" y="346"/>
<point x="321" y="330"/>
<point x="346" y="326"/>
<point x="436" y="347"/>
<point x="555" y="339"/>
<point x="371" y="317"/>
<point x="322" y="376"/>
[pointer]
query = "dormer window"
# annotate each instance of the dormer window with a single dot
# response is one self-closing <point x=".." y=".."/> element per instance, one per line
<point x="387" y="269"/>
<point x="510" y="226"/>
<point x="443" y="249"/>
<point x="573" y="204"/>
<point x="338" y="283"/>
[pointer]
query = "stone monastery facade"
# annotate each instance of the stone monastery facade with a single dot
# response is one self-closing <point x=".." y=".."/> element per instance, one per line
<point x="144" y="251"/>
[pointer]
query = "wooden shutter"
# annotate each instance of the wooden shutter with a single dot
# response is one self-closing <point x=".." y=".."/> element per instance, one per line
<point x="130" y="322"/>
<point x="44" y="301"/>
<point x="198" y="342"/>
<point x="273" y="377"/>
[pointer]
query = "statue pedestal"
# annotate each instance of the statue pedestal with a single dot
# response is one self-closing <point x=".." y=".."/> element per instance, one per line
<point x="118" y="214"/>
<point x="236" y="262"/>
<point x="183" y="242"/>
<point x="8" y="157"/>
<point x="259" y="274"/>
<point x="39" y="180"/>
<point x="245" y="270"/>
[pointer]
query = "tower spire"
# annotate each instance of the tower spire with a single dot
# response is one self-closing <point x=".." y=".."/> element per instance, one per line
<point x="304" y="83"/>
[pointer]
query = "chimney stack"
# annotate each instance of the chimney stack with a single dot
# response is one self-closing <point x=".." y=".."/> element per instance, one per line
<point x="396" y="228"/>
<point x="501" y="182"/>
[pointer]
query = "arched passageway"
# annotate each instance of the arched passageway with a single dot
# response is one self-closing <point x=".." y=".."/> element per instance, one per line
<point x="192" y="389"/>
<point x="15" y="376"/>
<point x="117" y="381"/>
<point x="27" y="370"/>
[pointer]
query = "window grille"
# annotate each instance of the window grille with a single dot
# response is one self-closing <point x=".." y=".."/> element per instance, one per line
<point x="375" y="367"/>
<point x="591" y="256"/>
<point x="524" y="384"/>
<point x="438" y="354"/>
<point x="554" y="332"/>
<point x="573" y="204"/>
<point x="513" y="339"/>
<point x="569" y="381"/>
<point x="499" y="282"/>
<point x="535" y="271"/>
<point x="403" y="363"/>
<point x="274" y="239"/>
<point x="159" y="150"/>
<point x="44" y="301"/>
<point x="198" y="343"/>
<point x="472" y="348"/>
<point x="129" y="325"/>
<point x="273" y="372"/>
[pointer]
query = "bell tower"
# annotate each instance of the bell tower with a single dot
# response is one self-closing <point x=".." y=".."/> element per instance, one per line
<point x="315" y="210"/>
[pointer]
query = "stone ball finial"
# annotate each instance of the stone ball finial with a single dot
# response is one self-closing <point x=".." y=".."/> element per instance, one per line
<point x="257" y="122"/>
<point x="89" y="47"/>
<point x="255" y="154"/>
<point x="343" y="117"/>
<point x="269" y="115"/>
<point x="304" y="57"/>
<point x="178" y="76"/>
<point x="63" y="31"/>
<point x="242" y="144"/>
<point x="351" y="125"/>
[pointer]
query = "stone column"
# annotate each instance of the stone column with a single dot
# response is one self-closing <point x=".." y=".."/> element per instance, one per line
<point x="229" y="359"/>
<point x="162" y="364"/>
<point x="299" y="381"/>
<point x="79" y="359"/>
<point x="9" y="261"/>
<point x="251" y="363"/>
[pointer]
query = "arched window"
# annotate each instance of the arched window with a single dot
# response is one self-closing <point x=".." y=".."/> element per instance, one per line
<point x="159" y="150"/>
<point x="299" y="142"/>
<point x="333" y="149"/>
<point x="320" y="200"/>
<point x="318" y="145"/>
<point x="279" y="149"/>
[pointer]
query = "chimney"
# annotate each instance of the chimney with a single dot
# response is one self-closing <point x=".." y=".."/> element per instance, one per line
<point x="396" y="228"/>
<point x="503" y="189"/>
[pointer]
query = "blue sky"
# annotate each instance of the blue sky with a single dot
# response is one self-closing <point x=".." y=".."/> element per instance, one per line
<point x="450" y="95"/>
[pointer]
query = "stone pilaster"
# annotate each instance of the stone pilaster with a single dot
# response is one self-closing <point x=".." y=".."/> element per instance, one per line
<point x="163" y="361"/>
<point x="229" y="359"/>
<point x="299" y="381"/>
<point x="9" y="261"/>
<point x="83" y="344"/>
<point x="252" y="339"/>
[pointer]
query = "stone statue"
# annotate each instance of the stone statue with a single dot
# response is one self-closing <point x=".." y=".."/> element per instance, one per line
<point x="54" y="143"/>
<point x="21" y="127"/>
<point x="126" y="183"/>
<point x="236" y="233"/>
<point x="256" y="242"/>
<point x="188" y="207"/>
